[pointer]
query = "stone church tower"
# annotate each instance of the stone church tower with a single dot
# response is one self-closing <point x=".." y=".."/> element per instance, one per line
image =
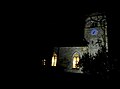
<point x="95" y="34"/>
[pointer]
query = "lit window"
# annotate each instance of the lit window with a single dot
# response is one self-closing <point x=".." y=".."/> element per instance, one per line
<point x="43" y="62"/>
<point x="54" y="59"/>
<point x="76" y="59"/>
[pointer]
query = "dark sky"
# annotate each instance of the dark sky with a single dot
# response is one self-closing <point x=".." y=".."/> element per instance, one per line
<point x="41" y="26"/>
<point x="52" y="25"/>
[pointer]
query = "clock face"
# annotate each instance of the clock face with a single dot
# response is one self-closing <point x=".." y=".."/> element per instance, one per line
<point x="94" y="31"/>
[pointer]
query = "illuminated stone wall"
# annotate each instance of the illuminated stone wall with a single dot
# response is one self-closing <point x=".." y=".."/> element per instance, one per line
<point x="65" y="56"/>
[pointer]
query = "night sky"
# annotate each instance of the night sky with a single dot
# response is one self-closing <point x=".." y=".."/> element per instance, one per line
<point x="59" y="26"/>
<point x="45" y="26"/>
<point x="41" y="27"/>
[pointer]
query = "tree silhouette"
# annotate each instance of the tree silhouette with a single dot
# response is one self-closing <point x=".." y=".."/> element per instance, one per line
<point x="96" y="65"/>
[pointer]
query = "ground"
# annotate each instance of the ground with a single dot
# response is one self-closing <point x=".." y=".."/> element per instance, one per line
<point x="53" y="74"/>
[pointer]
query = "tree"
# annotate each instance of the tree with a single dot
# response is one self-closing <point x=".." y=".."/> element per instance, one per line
<point x="96" y="65"/>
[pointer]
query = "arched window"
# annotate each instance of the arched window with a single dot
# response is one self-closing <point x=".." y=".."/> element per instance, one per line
<point x="76" y="59"/>
<point x="54" y="59"/>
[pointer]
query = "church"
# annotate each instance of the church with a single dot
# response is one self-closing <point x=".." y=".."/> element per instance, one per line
<point x="95" y="36"/>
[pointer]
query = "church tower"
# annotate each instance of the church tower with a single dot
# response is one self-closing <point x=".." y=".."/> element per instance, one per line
<point x="95" y="32"/>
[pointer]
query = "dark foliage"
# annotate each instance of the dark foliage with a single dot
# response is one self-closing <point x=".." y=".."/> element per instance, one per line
<point x="99" y="65"/>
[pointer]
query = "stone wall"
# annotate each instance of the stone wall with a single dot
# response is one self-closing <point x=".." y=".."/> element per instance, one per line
<point x="65" y="56"/>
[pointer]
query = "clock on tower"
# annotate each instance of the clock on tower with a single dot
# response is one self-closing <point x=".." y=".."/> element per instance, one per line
<point x="95" y="32"/>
